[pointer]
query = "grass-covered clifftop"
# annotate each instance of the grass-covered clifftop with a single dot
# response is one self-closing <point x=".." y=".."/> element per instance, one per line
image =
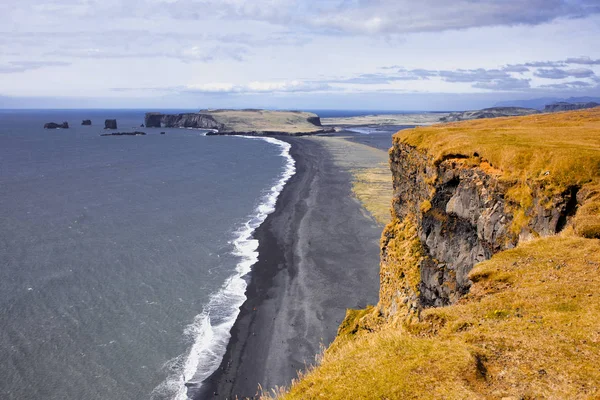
<point x="529" y="326"/>
<point x="554" y="152"/>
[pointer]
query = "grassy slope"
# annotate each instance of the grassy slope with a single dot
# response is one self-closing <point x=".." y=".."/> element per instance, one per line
<point x="530" y="328"/>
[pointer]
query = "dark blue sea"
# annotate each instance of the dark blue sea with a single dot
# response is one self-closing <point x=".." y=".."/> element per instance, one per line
<point x="122" y="258"/>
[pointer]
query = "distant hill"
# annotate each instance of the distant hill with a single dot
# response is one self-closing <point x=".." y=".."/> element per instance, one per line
<point x="542" y="102"/>
<point x="563" y="106"/>
<point x="493" y="112"/>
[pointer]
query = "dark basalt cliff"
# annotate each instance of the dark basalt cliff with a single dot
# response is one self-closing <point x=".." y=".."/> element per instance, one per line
<point x="564" y="106"/>
<point x="493" y="112"/>
<point x="462" y="216"/>
<point x="110" y="124"/>
<point x="188" y="120"/>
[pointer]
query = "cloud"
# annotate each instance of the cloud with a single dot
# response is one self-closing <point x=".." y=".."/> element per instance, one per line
<point x="568" y="85"/>
<point x="582" y="61"/>
<point x="326" y="17"/>
<point x="505" y="84"/>
<point x="544" y="64"/>
<point x="400" y="74"/>
<point x="557" y="73"/>
<point x="259" y="87"/>
<point x="403" y="16"/>
<point x="473" y="75"/>
<point x="21" y="66"/>
<point x="515" y="68"/>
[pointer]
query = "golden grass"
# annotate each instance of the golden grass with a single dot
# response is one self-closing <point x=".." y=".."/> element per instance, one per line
<point x="529" y="329"/>
<point x="373" y="187"/>
<point x="372" y="179"/>
<point x="401" y="254"/>
<point x="552" y="152"/>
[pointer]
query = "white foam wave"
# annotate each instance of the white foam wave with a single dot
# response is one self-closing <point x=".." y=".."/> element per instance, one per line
<point x="210" y="331"/>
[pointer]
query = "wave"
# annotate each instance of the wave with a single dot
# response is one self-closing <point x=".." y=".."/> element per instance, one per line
<point x="210" y="331"/>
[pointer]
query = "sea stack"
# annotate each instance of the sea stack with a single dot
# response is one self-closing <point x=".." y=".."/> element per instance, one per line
<point x="110" y="124"/>
<point x="86" y="122"/>
<point x="54" y="125"/>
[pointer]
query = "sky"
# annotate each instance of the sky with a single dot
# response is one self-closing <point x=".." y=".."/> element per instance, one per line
<point x="324" y="54"/>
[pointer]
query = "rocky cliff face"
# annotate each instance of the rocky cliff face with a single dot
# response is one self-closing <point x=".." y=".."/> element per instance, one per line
<point x="189" y="120"/>
<point x="458" y="212"/>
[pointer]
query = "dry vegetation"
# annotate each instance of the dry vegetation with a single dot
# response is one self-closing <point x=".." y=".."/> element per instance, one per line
<point x="529" y="329"/>
<point x="530" y="326"/>
<point x="372" y="181"/>
<point x="373" y="187"/>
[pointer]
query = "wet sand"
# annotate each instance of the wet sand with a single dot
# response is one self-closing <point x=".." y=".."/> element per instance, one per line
<point x="318" y="256"/>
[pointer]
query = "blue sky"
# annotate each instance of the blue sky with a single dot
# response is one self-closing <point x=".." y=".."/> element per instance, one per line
<point x="352" y="54"/>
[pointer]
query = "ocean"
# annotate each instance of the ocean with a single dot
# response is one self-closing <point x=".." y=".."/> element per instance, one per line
<point x="123" y="259"/>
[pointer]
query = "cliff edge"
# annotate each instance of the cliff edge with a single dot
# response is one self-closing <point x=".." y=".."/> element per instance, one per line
<point x="489" y="268"/>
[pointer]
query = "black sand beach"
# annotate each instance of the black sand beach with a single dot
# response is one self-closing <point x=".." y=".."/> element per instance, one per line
<point x="318" y="256"/>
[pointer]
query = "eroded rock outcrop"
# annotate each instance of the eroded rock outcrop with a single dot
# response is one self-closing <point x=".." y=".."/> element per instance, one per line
<point x="86" y="122"/>
<point x="110" y="124"/>
<point x="460" y="212"/>
<point x="54" y="125"/>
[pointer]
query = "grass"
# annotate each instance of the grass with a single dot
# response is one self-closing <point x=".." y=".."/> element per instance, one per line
<point x="530" y="328"/>
<point x="540" y="156"/>
<point x="373" y="187"/>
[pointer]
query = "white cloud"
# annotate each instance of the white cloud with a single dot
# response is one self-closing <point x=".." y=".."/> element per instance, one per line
<point x="259" y="87"/>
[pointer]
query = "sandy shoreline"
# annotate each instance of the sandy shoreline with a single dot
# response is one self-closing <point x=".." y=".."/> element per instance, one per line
<point x="318" y="256"/>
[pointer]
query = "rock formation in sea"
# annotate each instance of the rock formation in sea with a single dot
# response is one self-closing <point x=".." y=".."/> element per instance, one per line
<point x="110" y="124"/>
<point x="54" y="125"/>
<point x="86" y="122"/>
<point x="493" y="112"/>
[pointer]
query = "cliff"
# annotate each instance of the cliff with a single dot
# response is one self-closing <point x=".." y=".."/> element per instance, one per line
<point x="564" y="106"/>
<point x="241" y="122"/>
<point x="489" y="268"/>
<point x="493" y="112"/>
